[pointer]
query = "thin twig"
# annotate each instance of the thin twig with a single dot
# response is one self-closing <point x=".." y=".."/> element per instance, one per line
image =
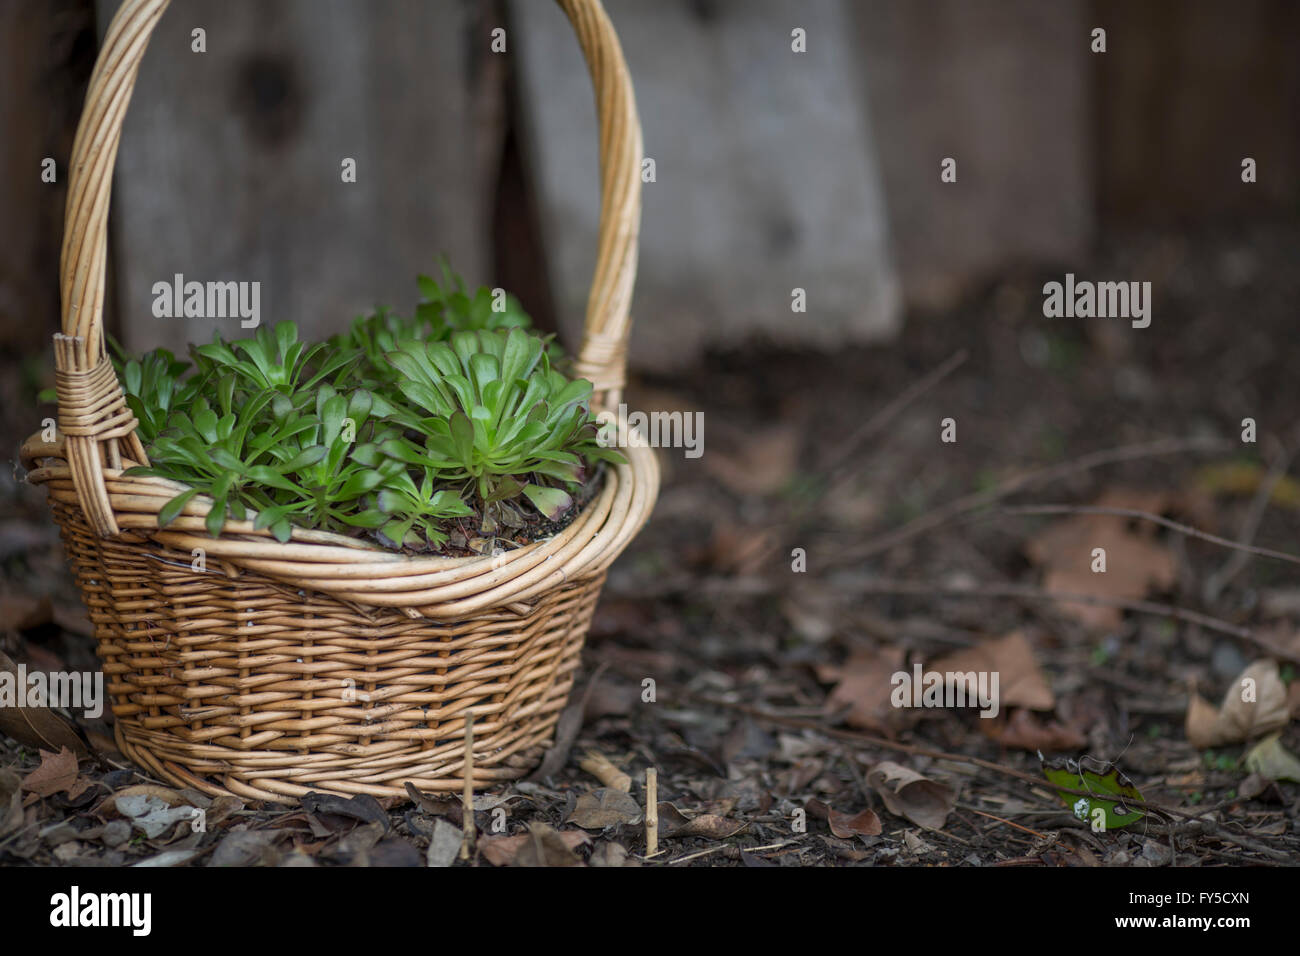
<point x="467" y="797"/>
<point x="1007" y="822"/>
<point x="729" y="846"/>
<point x="945" y="513"/>
<point x="651" y="811"/>
<point x="1024" y="592"/>
<point x="1156" y="519"/>
<point x="1217" y="581"/>
<point x="876" y="422"/>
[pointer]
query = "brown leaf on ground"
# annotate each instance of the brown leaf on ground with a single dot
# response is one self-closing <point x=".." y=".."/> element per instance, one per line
<point x="57" y="774"/>
<point x="1024" y="731"/>
<point x="444" y="843"/>
<point x="759" y="465"/>
<point x="1020" y="682"/>
<point x="1270" y="760"/>
<point x="1235" y="720"/>
<point x="540" y="846"/>
<point x="247" y="848"/>
<point x="22" y="612"/>
<point x="605" y="807"/>
<point x="1136" y="562"/>
<point x="911" y="795"/>
<point x="109" y="808"/>
<point x="863" y="686"/>
<point x="38" y="727"/>
<point x="712" y="826"/>
<point x="612" y="854"/>
<point x="845" y="825"/>
<point x="735" y="549"/>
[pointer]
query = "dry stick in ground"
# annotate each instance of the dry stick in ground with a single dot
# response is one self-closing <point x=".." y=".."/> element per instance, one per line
<point x="467" y="798"/>
<point x="876" y="422"/>
<point x="1217" y="581"/>
<point x="835" y="466"/>
<point x="599" y="766"/>
<point x="870" y="739"/>
<point x="945" y="513"/>
<point x="1024" y="592"/>
<point x="724" y="847"/>
<point x="1156" y="519"/>
<point x="651" y="811"/>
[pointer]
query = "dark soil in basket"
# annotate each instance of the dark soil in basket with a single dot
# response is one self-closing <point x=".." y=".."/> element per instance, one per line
<point x="754" y="690"/>
<point x="466" y="539"/>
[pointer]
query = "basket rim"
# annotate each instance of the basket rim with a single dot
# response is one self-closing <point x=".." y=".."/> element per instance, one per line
<point x="354" y="570"/>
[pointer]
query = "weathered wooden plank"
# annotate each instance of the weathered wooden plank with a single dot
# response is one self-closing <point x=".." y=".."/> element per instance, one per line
<point x="765" y="173"/>
<point x="230" y="166"/>
<point x="1187" y="90"/>
<point x="43" y="48"/>
<point x="1001" y="87"/>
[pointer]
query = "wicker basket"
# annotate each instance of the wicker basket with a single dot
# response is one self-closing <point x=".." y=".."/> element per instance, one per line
<point x="271" y="670"/>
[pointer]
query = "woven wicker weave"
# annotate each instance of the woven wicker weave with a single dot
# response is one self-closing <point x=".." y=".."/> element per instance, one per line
<point x="270" y="670"/>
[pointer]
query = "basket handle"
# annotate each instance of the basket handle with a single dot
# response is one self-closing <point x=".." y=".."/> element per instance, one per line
<point x="93" y="416"/>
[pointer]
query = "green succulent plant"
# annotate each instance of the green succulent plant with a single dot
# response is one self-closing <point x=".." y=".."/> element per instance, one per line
<point x="395" y="429"/>
<point x="497" y="415"/>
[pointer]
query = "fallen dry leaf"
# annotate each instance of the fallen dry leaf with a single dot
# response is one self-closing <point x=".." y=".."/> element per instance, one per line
<point x="914" y="796"/>
<point x="1020" y="682"/>
<point x="165" y="795"/>
<point x="38" y="727"/>
<point x="915" y="844"/>
<point x="247" y="848"/>
<point x="674" y="823"/>
<point x="504" y="851"/>
<point x="761" y="464"/>
<point x="56" y="774"/>
<point x="1024" y="731"/>
<point x="605" y="807"/>
<point x="444" y="843"/>
<point x="611" y="854"/>
<point x="865" y="683"/>
<point x="1135" y="562"/>
<point x="362" y="807"/>
<point x="1272" y="761"/>
<point x="152" y="816"/>
<point x="1237" y="719"/>
<point x="739" y="550"/>
<point x="845" y="825"/>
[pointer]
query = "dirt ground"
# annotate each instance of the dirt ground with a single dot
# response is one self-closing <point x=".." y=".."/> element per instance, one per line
<point x="771" y="714"/>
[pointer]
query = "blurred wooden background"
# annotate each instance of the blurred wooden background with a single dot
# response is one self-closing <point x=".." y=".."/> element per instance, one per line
<point x="773" y="169"/>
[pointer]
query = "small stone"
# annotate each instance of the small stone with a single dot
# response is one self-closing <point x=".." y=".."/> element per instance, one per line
<point x="116" y="832"/>
<point x="1157" y="851"/>
<point x="1227" y="662"/>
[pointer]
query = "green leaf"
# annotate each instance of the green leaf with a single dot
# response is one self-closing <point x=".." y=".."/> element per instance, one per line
<point x="216" y="518"/>
<point x="551" y="502"/>
<point x="1105" y="782"/>
<point x="266" y="475"/>
<point x="462" y="436"/>
<point x="168" y="512"/>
